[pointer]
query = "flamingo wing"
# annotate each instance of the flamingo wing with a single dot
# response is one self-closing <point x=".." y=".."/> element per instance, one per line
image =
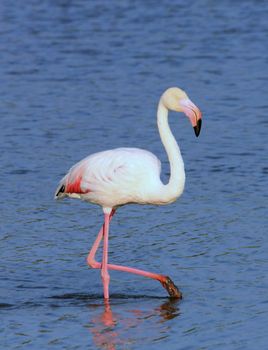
<point x="112" y="178"/>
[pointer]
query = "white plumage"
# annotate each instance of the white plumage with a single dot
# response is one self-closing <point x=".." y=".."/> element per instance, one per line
<point x="116" y="177"/>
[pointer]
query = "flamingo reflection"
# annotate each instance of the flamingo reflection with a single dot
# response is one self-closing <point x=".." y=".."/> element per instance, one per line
<point x="113" y="330"/>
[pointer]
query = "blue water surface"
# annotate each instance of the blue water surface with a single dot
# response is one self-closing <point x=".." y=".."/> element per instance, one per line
<point x="79" y="77"/>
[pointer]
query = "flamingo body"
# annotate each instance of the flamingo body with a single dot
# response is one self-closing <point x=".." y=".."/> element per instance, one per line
<point x="131" y="175"/>
<point x="115" y="177"/>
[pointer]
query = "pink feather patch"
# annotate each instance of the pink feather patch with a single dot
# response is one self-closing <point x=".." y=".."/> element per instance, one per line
<point x="75" y="187"/>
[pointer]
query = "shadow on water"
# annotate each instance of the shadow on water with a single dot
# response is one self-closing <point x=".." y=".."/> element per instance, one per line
<point x="82" y="297"/>
<point x="112" y="323"/>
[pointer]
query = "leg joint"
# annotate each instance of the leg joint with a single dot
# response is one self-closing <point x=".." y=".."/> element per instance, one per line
<point x="93" y="263"/>
<point x="105" y="276"/>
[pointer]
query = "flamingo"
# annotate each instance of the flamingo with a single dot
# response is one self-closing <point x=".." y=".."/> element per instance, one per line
<point x="122" y="176"/>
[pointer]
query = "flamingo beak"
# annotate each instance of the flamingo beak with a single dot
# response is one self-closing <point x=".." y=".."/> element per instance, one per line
<point x="197" y="128"/>
<point x="193" y="113"/>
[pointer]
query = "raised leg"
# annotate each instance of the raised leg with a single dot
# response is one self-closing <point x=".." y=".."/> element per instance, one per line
<point x="166" y="281"/>
<point x="91" y="256"/>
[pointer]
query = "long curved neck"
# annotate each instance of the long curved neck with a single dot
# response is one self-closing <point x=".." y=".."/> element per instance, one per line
<point x="175" y="186"/>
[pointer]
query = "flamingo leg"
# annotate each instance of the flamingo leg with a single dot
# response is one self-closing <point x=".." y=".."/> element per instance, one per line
<point x="104" y="267"/>
<point x="91" y="256"/>
<point x="164" y="280"/>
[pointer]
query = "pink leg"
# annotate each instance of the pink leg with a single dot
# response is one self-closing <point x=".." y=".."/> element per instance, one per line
<point x="91" y="256"/>
<point x="96" y="265"/>
<point x="164" y="280"/>
<point x="104" y="267"/>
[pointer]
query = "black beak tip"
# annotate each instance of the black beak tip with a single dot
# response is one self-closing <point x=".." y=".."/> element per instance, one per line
<point x="197" y="128"/>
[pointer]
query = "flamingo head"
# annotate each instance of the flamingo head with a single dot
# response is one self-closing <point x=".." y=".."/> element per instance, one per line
<point x="177" y="100"/>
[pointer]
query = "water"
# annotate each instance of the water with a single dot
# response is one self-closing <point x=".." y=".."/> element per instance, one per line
<point x="79" y="77"/>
